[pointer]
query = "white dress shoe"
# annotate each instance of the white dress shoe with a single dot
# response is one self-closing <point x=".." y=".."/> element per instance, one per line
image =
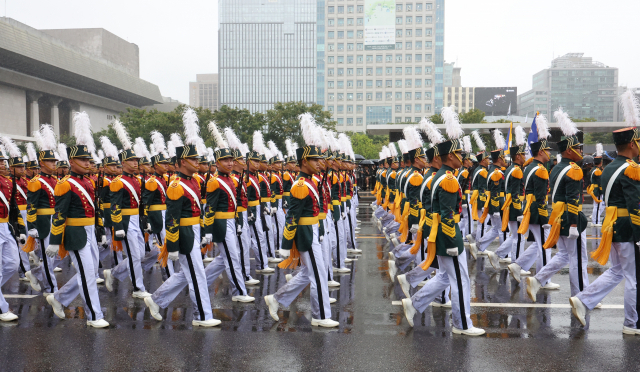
<point x="483" y="253"/>
<point x="391" y="256"/>
<point x="252" y="282"/>
<point x="551" y="285"/>
<point x="505" y="260"/>
<point x="23" y="279"/>
<point x="344" y="270"/>
<point x="242" y="299"/>
<point x="472" y="331"/>
<point x="57" y="269"/>
<point x="205" y="323"/>
<point x="8" y="316"/>
<point x="494" y="260"/>
<point x="348" y="260"/>
<point x="514" y="270"/>
<point x="275" y="259"/>
<point x="332" y="300"/>
<point x="356" y="250"/>
<point x="141" y="294"/>
<point x="533" y="286"/>
<point x="267" y="270"/>
<point x="58" y="309"/>
<point x="207" y="259"/>
<point x="154" y="309"/>
<point x="440" y="304"/>
<point x="598" y="306"/>
<point x="33" y="281"/>
<point x="288" y="277"/>
<point x="392" y="270"/>
<point x="473" y="249"/>
<point x="630" y="331"/>
<point x="100" y="323"/>
<point x="409" y="310"/>
<point x="99" y="280"/>
<point x="404" y="284"/>
<point x="470" y="238"/>
<point x="525" y="273"/>
<point x="273" y="306"/>
<point x="327" y="323"/>
<point x="578" y="309"/>
<point x="333" y="283"/>
<point x="108" y="280"/>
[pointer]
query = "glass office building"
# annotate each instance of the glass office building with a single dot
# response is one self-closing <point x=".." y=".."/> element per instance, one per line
<point x="267" y="52"/>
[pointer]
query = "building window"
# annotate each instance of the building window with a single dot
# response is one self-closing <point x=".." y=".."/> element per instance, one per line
<point x="350" y="95"/>
<point x="369" y="58"/>
<point x="427" y="108"/>
<point x="360" y="8"/>
<point x="398" y="108"/>
<point x="418" y="32"/>
<point x="360" y="22"/>
<point x="340" y="21"/>
<point x="378" y="83"/>
<point x="340" y="34"/>
<point x="379" y="58"/>
<point x="428" y="6"/>
<point x="398" y="57"/>
<point x="427" y="32"/>
<point x="408" y="32"/>
<point x="349" y="46"/>
<point x="360" y="35"/>
<point x="330" y="72"/>
<point x="418" y="95"/>
<point x="408" y="45"/>
<point x="409" y="7"/>
<point x="428" y="20"/>
<point x="407" y="70"/>
<point x="418" y="45"/>
<point x="398" y="95"/>
<point x="330" y="108"/>
<point x="398" y="83"/>
<point x="389" y="58"/>
<point x="350" y="9"/>
<point x="349" y="34"/>
<point x="359" y="71"/>
<point x="427" y="57"/>
<point x="389" y="83"/>
<point x="399" y="32"/>
<point x="407" y="96"/>
<point x="427" y="70"/>
<point x="427" y="45"/>
<point x="409" y="19"/>
<point x="350" y="121"/>
<point x="350" y="72"/>
<point x="359" y="96"/>
<point x="427" y="95"/>
<point x="418" y="83"/>
<point x="418" y="108"/>
<point x="359" y="109"/>
<point x="369" y="71"/>
<point x="340" y="72"/>
<point x="427" y="82"/>
<point x="349" y="59"/>
<point x="331" y="96"/>
<point x="398" y="120"/>
<point x="331" y="59"/>
<point x="349" y="109"/>
<point x="418" y="57"/>
<point x="418" y="7"/>
<point x="340" y="121"/>
<point x="419" y="20"/>
<point x="369" y="83"/>
<point x="389" y="96"/>
<point x="349" y="21"/>
<point x="330" y="47"/>
<point x="358" y="121"/>
<point x="332" y="22"/>
<point x="341" y="10"/>
<point x="418" y="70"/>
<point x="360" y="46"/>
<point x="378" y="71"/>
<point x="407" y="58"/>
<point x="359" y="83"/>
<point x="360" y="58"/>
<point x="389" y="70"/>
<point x="398" y="20"/>
<point x="379" y="96"/>
<point x="340" y="46"/>
<point x="330" y="84"/>
<point x="340" y="59"/>
<point x="340" y="109"/>
<point x="369" y="96"/>
<point x="340" y="97"/>
<point x="399" y="46"/>
<point x="331" y="9"/>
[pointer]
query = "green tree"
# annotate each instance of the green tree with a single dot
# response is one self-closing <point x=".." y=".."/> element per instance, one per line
<point x="598" y="137"/>
<point x="366" y="145"/>
<point x="472" y="117"/>
<point x="436" y="119"/>
<point x="282" y="121"/>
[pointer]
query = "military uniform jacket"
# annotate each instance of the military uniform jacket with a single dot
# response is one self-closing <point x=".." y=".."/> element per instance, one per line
<point x="391" y="184"/>
<point x="301" y="215"/>
<point x="536" y="182"/>
<point x="242" y="198"/>
<point x="154" y="198"/>
<point x="336" y="192"/>
<point x="624" y="194"/>
<point x="41" y="203"/>
<point x="463" y="181"/>
<point x="221" y="205"/>
<point x="446" y="201"/>
<point x="425" y="196"/>
<point x="74" y="209"/>
<point x="21" y="193"/>
<point x="253" y="197"/>
<point x="595" y="176"/>
<point x="513" y="183"/>
<point x="104" y="209"/>
<point x="287" y="181"/>
<point x="479" y="184"/>
<point x="495" y="186"/>
<point x="183" y="211"/>
<point x="569" y="191"/>
<point x="412" y="187"/>
<point x="125" y="201"/>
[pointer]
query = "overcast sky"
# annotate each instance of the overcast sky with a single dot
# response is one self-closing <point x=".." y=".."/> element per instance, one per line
<point x="496" y="42"/>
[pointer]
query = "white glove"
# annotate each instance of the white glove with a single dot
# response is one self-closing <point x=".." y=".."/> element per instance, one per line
<point x="321" y="238"/>
<point x="573" y="233"/>
<point x="497" y="215"/>
<point x="173" y="256"/>
<point x="103" y="242"/>
<point x="546" y="226"/>
<point x="463" y="205"/>
<point x="120" y="234"/>
<point x="52" y="250"/>
<point x="344" y="216"/>
<point x="22" y="238"/>
<point x="148" y="230"/>
<point x="520" y="218"/>
<point x="206" y="239"/>
<point x="348" y="209"/>
<point x="273" y="211"/>
<point x="33" y="233"/>
<point x="414" y="228"/>
<point x="284" y="253"/>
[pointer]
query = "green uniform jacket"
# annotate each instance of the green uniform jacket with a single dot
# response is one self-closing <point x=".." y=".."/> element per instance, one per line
<point x="495" y="185"/>
<point x="625" y="193"/>
<point x="569" y="190"/>
<point x="121" y="198"/>
<point x="513" y="183"/>
<point x="446" y="203"/>
<point x="414" y="182"/>
<point x="180" y="204"/>
<point x="219" y="200"/>
<point x="72" y="203"/>
<point x="536" y="182"/>
<point x="479" y="182"/>
<point x="425" y="197"/>
<point x="595" y="177"/>
<point x="154" y="193"/>
<point x="40" y="197"/>
<point x="304" y="203"/>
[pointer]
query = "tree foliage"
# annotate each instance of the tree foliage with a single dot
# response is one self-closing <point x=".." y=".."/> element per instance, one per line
<point x="367" y="145"/>
<point x="472" y="117"/>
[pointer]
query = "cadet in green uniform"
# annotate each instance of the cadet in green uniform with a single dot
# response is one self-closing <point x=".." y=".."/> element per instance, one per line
<point x="595" y="188"/>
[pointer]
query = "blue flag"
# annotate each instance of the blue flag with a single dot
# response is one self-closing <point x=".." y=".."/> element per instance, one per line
<point x="533" y="133"/>
<point x="508" y="141"/>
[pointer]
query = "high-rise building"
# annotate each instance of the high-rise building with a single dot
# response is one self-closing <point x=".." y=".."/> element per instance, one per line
<point x="267" y="52"/>
<point x="204" y="92"/>
<point x="383" y="61"/>
<point x="582" y="87"/>
<point x="452" y="76"/>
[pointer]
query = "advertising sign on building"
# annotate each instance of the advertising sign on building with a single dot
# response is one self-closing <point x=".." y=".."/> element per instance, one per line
<point x="379" y="24"/>
<point x="498" y="101"/>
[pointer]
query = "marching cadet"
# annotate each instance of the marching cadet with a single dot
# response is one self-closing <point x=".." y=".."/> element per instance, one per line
<point x="478" y="197"/>
<point x="110" y="163"/>
<point x="183" y="237"/>
<point x="595" y="187"/>
<point x="8" y="244"/>
<point x="62" y="166"/>
<point x="31" y="161"/>
<point x="512" y="207"/>
<point x="265" y="201"/>
<point x="338" y="243"/>
<point x="535" y="215"/>
<point x="445" y="241"/>
<point x="277" y="192"/>
<point x="288" y="175"/>
<point x="125" y="212"/>
<point x="621" y="227"/>
<point x="301" y="237"/>
<point x="464" y="181"/>
<point x="41" y="204"/>
<point x="73" y="228"/>
<point x="567" y="221"/>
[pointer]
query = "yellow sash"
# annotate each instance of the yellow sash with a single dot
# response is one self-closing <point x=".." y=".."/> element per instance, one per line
<point x="431" y="244"/>
<point x="601" y="255"/>
<point x="505" y="212"/>
<point x="526" y="215"/>
<point x="556" y="224"/>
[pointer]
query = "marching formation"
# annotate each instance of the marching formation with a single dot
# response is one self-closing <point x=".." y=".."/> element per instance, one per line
<point x="193" y="211"/>
<point x="436" y="203"/>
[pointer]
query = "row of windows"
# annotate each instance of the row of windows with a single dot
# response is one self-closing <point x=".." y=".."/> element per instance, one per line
<point x="409" y="7"/>
<point x="349" y="121"/>
<point x="387" y="70"/>
<point x="387" y="83"/>
<point x="360" y="22"/>
<point x="388" y="96"/>
<point x="360" y="46"/>
<point x="340" y="109"/>
<point x="369" y="58"/>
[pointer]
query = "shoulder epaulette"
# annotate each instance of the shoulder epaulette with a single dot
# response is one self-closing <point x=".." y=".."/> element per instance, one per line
<point x="116" y="184"/>
<point x="299" y="190"/>
<point x="517" y="172"/>
<point x="175" y="190"/>
<point x="34" y="184"/>
<point x="213" y="184"/>
<point x="62" y="187"/>
<point x="464" y="174"/>
<point x="286" y="176"/>
<point x="496" y="175"/>
<point x="449" y="183"/>
<point x="416" y="179"/>
<point x="597" y="172"/>
<point x="575" y="173"/>
<point x="633" y="170"/>
<point x="528" y="161"/>
<point x="542" y="172"/>
<point x="483" y="173"/>
<point x="151" y="184"/>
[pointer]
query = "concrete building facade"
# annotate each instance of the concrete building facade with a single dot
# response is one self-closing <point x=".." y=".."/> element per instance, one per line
<point x="383" y="61"/>
<point x="461" y="97"/>
<point x="204" y="92"/>
<point x="452" y="76"/>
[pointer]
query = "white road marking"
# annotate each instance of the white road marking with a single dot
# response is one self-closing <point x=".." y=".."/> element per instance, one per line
<point x="498" y="304"/>
<point x="19" y="296"/>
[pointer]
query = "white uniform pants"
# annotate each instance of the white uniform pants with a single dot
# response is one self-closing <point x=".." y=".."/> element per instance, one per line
<point x="624" y="266"/>
<point x="326" y="248"/>
<point x="452" y="273"/>
<point x="228" y="260"/>
<point x="83" y="283"/>
<point x="278" y="224"/>
<point x="490" y="236"/>
<point x="269" y="233"/>
<point x="574" y="253"/>
<point x="338" y="248"/>
<point x="9" y="258"/>
<point x="510" y="245"/>
<point x="151" y="257"/>
<point x="131" y="266"/>
<point x="244" y="246"/>
<point x="466" y="222"/>
<point x="480" y="227"/>
<point x="349" y="227"/>
<point x="44" y="272"/>
<point x="259" y="241"/>
<point x="311" y="273"/>
<point x="536" y="253"/>
<point x="24" y="256"/>
<point x="117" y="256"/>
<point x="598" y="211"/>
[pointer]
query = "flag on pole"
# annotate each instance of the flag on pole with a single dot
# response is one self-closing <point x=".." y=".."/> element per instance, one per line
<point x="533" y="132"/>
<point x="508" y="142"/>
<point x="509" y="112"/>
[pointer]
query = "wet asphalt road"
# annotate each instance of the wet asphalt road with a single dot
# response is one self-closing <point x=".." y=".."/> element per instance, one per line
<point x="373" y="334"/>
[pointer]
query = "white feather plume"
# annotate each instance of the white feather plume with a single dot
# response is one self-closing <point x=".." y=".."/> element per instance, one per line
<point x="95" y="157"/>
<point x="25" y="159"/>
<point x="31" y="152"/>
<point x="62" y="152"/>
<point x="385" y="152"/>
<point x="217" y="135"/>
<point x="295" y="146"/>
<point x="191" y="127"/>
<point x="139" y="147"/>
<point x="333" y="141"/>
<point x="478" y="140"/>
<point x="258" y="142"/>
<point x="413" y="137"/>
<point x="289" y="145"/>
<point x="122" y="134"/>
<point x="176" y="140"/>
<point x="267" y="153"/>
<point x="158" y="142"/>
<point x="323" y="141"/>
<point x="499" y="140"/>
<point x="543" y="127"/>
<point x="39" y="139"/>
<point x="345" y="144"/>
<point x="152" y="149"/>
<point x="11" y="147"/>
<point x="55" y="154"/>
<point x="567" y="126"/>
<point x="308" y="126"/>
<point x="82" y="131"/>
<point x="432" y="132"/>
<point x="109" y="148"/>
<point x="452" y="122"/>
<point x="393" y="150"/>
<point x="599" y="150"/>
<point x="244" y="149"/>
<point x="380" y="155"/>
<point x="466" y="144"/>
<point x="210" y="156"/>
<point x="232" y="139"/>
<point x="201" y="147"/>
<point x="49" y="141"/>
<point x="100" y="155"/>
<point x="630" y="108"/>
<point x="521" y="136"/>
<point x="171" y="148"/>
<point x="402" y="144"/>
<point x="274" y="149"/>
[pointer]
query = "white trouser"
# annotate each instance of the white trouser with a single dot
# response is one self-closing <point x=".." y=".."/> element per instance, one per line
<point x="417" y="275"/>
<point x="536" y="253"/>
<point x="574" y="253"/>
<point x="326" y="248"/>
<point x="465" y="223"/>
<point x="131" y="266"/>
<point x="278" y="223"/>
<point x="244" y="246"/>
<point x="480" y="227"/>
<point x="44" y="272"/>
<point x="490" y="236"/>
<point x="452" y="273"/>
<point x="191" y="274"/>
<point x="150" y="258"/>
<point x="9" y="258"/>
<point x="339" y="248"/>
<point x="510" y="244"/>
<point x="83" y="283"/>
<point x="598" y="210"/>
<point x="311" y="273"/>
<point x="117" y="256"/>
<point x="269" y="233"/>
<point x="24" y="256"/>
<point x="228" y="260"/>
<point x="259" y="241"/>
<point x="623" y="266"/>
<point x="349" y="228"/>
